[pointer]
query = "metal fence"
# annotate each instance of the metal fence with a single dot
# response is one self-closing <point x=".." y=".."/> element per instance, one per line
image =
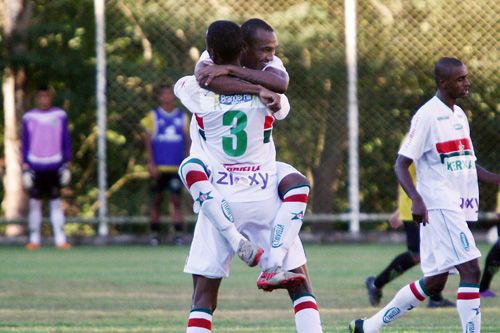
<point x="148" y="42"/>
<point x="398" y="41"/>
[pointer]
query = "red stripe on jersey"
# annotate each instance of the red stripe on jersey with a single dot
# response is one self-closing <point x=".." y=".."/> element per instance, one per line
<point x="296" y="198"/>
<point x="195" y="176"/>
<point x="200" y="322"/>
<point x="305" y="305"/>
<point x="199" y="120"/>
<point x="268" y="123"/>
<point x="453" y="145"/>
<point x="415" y="292"/>
<point x="466" y="296"/>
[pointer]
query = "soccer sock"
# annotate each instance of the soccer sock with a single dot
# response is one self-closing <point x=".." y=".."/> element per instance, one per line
<point x="307" y="318"/>
<point x="469" y="307"/>
<point x="406" y="299"/>
<point x="57" y="219"/>
<point x="398" y="266"/>
<point x="287" y="224"/>
<point x="35" y="220"/>
<point x="212" y="204"/>
<point x="200" y="321"/>
<point x="491" y="266"/>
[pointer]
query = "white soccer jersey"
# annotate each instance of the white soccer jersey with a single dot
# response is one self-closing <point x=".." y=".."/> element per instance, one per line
<point x="440" y="145"/>
<point x="234" y="133"/>
<point x="275" y="62"/>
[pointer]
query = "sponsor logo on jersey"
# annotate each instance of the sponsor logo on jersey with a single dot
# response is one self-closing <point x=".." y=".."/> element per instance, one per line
<point x="233" y="167"/>
<point x="469" y="327"/>
<point x="277" y="233"/>
<point x="460" y="164"/>
<point x="443" y="117"/>
<point x="464" y="241"/>
<point x="260" y="179"/>
<point x="234" y="99"/>
<point x="458" y="126"/>
<point x="390" y="315"/>
<point x="469" y="203"/>
<point x="227" y="211"/>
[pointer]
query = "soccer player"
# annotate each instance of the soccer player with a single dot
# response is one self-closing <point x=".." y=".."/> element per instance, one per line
<point x="166" y="140"/>
<point x="406" y="260"/>
<point x="46" y="146"/>
<point x="492" y="263"/>
<point x="237" y="143"/>
<point x="262" y="67"/>
<point x="445" y="198"/>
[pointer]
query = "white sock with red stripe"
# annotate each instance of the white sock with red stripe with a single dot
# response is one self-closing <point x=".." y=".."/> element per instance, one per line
<point x="307" y="318"/>
<point x="469" y="307"/>
<point x="200" y="321"/>
<point x="287" y="224"/>
<point x="194" y="175"/>
<point x="406" y="299"/>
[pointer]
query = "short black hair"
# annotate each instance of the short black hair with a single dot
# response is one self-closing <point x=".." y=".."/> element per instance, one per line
<point x="250" y="27"/>
<point x="443" y="66"/>
<point x="225" y="39"/>
<point x="160" y="87"/>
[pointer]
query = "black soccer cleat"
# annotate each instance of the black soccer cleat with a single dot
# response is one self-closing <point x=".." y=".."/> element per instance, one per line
<point x="356" y="326"/>
<point x="444" y="303"/>
<point x="374" y="293"/>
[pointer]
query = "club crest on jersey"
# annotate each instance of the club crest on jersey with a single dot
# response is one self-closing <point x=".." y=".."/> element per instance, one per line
<point x="277" y="233"/>
<point x="390" y="315"/>
<point x="202" y="197"/>
<point x="464" y="241"/>
<point x="234" y="99"/>
<point x="298" y="216"/>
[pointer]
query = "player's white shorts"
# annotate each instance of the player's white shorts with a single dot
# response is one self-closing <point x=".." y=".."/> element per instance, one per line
<point x="210" y="254"/>
<point x="445" y="242"/>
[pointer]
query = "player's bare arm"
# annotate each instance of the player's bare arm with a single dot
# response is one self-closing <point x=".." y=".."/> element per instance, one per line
<point x="418" y="208"/>
<point x="271" y="99"/>
<point x="486" y="176"/>
<point x="271" y="78"/>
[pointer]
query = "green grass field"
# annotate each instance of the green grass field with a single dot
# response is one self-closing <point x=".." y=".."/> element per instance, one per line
<point x="143" y="289"/>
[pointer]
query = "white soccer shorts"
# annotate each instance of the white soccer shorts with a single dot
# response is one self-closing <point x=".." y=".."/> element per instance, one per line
<point x="210" y="254"/>
<point x="445" y="242"/>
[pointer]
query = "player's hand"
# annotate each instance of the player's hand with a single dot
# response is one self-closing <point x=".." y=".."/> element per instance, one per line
<point x="419" y="211"/>
<point x="28" y="179"/>
<point x="208" y="73"/>
<point x="153" y="170"/>
<point x="394" y="220"/>
<point x="271" y="99"/>
<point x="64" y="175"/>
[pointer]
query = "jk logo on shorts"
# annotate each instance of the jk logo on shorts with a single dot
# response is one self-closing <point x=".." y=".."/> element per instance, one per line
<point x="464" y="241"/>
<point x="390" y="315"/>
<point x="202" y="197"/>
<point x="298" y="216"/>
<point x="226" y="210"/>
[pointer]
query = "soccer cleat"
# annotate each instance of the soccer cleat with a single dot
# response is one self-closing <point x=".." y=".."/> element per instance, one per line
<point x="487" y="293"/>
<point x="64" y="246"/>
<point x="32" y="246"/>
<point x="356" y="326"/>
<point x="276" y="279"/>
<point x="374" y="293"/>
<point x="443" y="303"/>
<point x="249" y="252"/>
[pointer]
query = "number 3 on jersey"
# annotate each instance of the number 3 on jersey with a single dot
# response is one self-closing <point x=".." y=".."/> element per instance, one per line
<point x="236" y="144"/>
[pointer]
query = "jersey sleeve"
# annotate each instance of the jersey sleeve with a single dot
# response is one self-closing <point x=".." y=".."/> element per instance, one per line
<point x="276" y="63"/>
<point x="189" y="93"/>
<point x="416" y="142"/>
<point x="285" y="108"/>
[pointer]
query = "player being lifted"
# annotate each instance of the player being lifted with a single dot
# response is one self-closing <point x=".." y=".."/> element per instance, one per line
<point x="234" y="183"/>
<point x="262" y="67"/>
